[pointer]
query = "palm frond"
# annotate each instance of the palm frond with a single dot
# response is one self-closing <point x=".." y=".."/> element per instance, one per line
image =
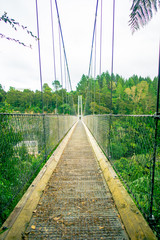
<point x="142" y="12"/>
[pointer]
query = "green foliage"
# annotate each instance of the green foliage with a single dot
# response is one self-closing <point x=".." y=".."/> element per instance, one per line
<point x="28" y="101"/>
<point x="25" y="142"/>
<point x="136" y="95"/>
<point x="56" y="85"/>
<point x="129" y="143"/>
<point x="8" y="140"/>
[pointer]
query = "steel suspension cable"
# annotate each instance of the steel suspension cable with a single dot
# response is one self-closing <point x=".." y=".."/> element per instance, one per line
<point x="40" y="72"/>
<point x="65" y="74"/>
<point x="95" y="61"/>
<point x="53" y="48"/>
<point x="158" y="87"/>
<point x="60" y="52"/>
<point x="95" y="21"/>
<point x="54" y="61"/>
<point x="100" y="57"/>
<point x="65" y="79"/>
<point x="39" y="55"/>
<point x="100" y="61"/>
<point x="90" y="62"/>
<point x="63" y="44"/>
<point x="95" y="53"/>
<point x="113" y="28"/>
<point x="61" y="66"/>
<point x="61" y="69"/>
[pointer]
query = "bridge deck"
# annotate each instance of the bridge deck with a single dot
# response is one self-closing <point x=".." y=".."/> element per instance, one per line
<point x="76" y="203"/>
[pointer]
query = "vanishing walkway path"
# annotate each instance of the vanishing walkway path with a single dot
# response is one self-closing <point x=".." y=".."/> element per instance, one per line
<point x="76" y="203"/>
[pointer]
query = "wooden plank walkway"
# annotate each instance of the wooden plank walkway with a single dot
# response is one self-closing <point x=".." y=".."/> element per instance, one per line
<point x="76" y="203"/>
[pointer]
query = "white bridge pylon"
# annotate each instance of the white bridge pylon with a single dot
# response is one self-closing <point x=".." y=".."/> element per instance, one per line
<point x="80" y="107"/>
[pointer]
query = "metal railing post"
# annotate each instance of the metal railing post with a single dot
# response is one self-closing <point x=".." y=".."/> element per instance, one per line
<point x="151" y="218"/>
<point x="44" y="136"/>
<point x="109" y="139"/>
<point x="58" y="128"/>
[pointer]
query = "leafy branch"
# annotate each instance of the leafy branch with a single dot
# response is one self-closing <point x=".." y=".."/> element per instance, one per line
<point x="15" y="40"/>
<point x="14" y="25"/>
<point x="142" y="12"/>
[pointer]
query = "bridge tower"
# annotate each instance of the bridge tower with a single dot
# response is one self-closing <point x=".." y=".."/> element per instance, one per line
<point x="80" y="106"/>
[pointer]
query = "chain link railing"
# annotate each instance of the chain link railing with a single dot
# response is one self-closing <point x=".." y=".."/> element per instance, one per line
<point x="129" y="143"/>
<point x="25" y="142"/>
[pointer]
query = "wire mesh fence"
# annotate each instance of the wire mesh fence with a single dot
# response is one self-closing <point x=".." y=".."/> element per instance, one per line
<point x="25" y="142"/>
<point x="130" y="145"/>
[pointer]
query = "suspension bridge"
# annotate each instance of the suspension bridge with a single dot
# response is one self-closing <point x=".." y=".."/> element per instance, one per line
<point x="77" y="195"/>
<point x="79" y="176"/>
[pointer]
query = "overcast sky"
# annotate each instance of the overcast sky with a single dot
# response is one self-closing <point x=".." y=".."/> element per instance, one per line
<point x="134" y="54"/>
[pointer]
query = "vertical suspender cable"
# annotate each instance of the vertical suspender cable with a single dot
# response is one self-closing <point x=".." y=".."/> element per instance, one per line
<point x="61" y="66"/>
<point x="110" y="117"/>
<point x="63" y="44"/>
<point x="54" y="61"/>
<point x="64" y="50"/>
<point x="158" y="87"/>
<point x="60" y="57"/>
<point x="95" y="61"/>
<point x="40" y="72"/>
<point x="100" y="61"/>
<point x="65" y="86"/>
<point x="65" y="80"/>
<point x="95" y="54"/>
<point x="95" y="21"/>
<point x="112" y="48"/>
<point x="94" y="29"/>
<point x="39" y="54"/>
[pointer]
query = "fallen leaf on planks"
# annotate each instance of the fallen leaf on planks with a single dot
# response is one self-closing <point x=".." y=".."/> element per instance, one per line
<point x="33" y="227"/>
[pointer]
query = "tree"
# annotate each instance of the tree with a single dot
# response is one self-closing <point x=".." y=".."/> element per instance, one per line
<point x="142" y="12"/>
<point x="137" y="93"/>
<point x="27" y="99"/>
<point x="82" y="85"/>
<point x="2" y="94"/>
<point x="56" y="85"/>
<point x="119" y="90"/>
<point x="47" y="97"/>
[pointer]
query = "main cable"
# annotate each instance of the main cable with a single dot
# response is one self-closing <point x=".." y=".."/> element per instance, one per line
<point x="63" y="44"/>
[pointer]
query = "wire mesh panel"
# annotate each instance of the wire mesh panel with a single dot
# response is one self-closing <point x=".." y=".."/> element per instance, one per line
<point x="129" y="143"/>
<point x="131" y="148"/>
<point x="25" y="142"/>
<point x="51" y="132"/>
<point x="156" y="196"/>
<point x="65" y="123"/>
